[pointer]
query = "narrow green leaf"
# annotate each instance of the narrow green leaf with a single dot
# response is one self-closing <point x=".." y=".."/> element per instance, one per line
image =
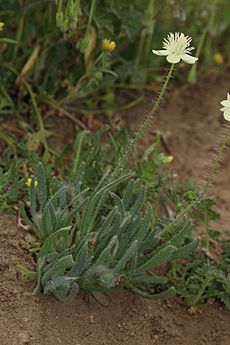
<point x="41" y="188"/>
<point x="158" y="259"/>
<point x="110" y="250"/>
<point x="130" y="252"/>
<point x="56" y="242"/>
<point x="80" y="262"/>
<point x="184" y="251"/>
<point x="58" y="269"/>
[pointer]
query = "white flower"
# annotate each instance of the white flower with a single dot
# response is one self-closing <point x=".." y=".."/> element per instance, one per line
<point x="226" y="108"/>
<point x="177" y="47"/>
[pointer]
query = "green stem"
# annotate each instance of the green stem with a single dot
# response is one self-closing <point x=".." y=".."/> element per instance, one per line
<point x="210" y="178"/>
<point x="18" y="38"/>
<point x="211" y="175"/>
<point x="195" y="299"/>
<point x="90" y="17"/>
<point x="207" y="239"/>
<point x="215" y="162"/>
<point x="60" y="6"/>
<point x="103" y="110"/>
<point x="39" y="119"/>
<point x="100" y="56"/>
<point x="78" y="7"/>
<point x="150" y="116"/>
<point x="192" y="73"/>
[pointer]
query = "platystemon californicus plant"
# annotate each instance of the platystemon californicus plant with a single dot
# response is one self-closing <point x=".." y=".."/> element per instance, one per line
<point x="108" y="237"/>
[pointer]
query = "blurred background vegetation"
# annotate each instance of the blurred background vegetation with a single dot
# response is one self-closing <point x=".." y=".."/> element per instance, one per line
<point x="56" y="72"/>
<point x="59" y="57"/>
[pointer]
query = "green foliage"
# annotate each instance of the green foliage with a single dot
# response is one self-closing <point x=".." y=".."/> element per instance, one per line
<point x="100" y="239"/>
<point x="88" y="70"/>
<point x="100" y="151"/>
<point x="16" y="164"/>
<point x="9" y="188"/>
<point x="33" y="84"/>
<point x="200" y="281"/>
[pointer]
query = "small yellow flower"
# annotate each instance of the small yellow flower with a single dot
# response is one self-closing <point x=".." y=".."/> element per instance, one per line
<point x="29" y="181"/>
<point x="218" y="58"/>
<point x="168" y="159"/>
<point x="1" y="26"/>
<point x="109" y="45"/>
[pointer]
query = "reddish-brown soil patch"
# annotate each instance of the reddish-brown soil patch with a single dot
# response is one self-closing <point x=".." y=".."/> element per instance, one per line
<point x="190" y="123"/>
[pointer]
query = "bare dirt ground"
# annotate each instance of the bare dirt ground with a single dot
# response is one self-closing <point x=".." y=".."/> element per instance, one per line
<point x="128" y="319"/>
<point x="194" y="127"/>
<point x="190" y="123"/>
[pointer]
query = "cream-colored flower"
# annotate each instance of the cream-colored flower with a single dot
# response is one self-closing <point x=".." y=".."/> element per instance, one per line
<point x="109" y="45"/>
<point x="1" y="26"/>
<point x="29" y="181"/>
<point x="226" y="107"/>
<point x="176" y="47"/>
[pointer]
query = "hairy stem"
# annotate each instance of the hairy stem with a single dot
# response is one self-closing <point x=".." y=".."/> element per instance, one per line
<point x="216" y="161"/>
<point x="209" y="181"/>
<point x="149" y="117"/>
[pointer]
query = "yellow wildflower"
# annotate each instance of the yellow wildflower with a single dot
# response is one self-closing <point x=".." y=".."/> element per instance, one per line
<point x="29" y="181"/>
<point x="168" y="159"/>
<point x="218" y="58"/>
<point x="1" y="26"/>
<point x="109" y="45"/>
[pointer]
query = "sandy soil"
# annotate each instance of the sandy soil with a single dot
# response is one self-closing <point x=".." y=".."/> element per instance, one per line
<point x="128" y="319"/>
<point x="192" y="127"/>
<point x="190" y="123"/>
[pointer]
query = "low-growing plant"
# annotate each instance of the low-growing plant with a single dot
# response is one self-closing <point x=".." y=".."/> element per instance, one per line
<point x="99" y="240"/>
<point x="199" y="281"/>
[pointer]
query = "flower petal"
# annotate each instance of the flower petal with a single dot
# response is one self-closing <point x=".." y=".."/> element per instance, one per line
<point x="225" y="103"/>
<point x="227" y="114"/>
<point x="173" y="58"/>
<point x="189" y="59"/>
<point x="160" y="52"/>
